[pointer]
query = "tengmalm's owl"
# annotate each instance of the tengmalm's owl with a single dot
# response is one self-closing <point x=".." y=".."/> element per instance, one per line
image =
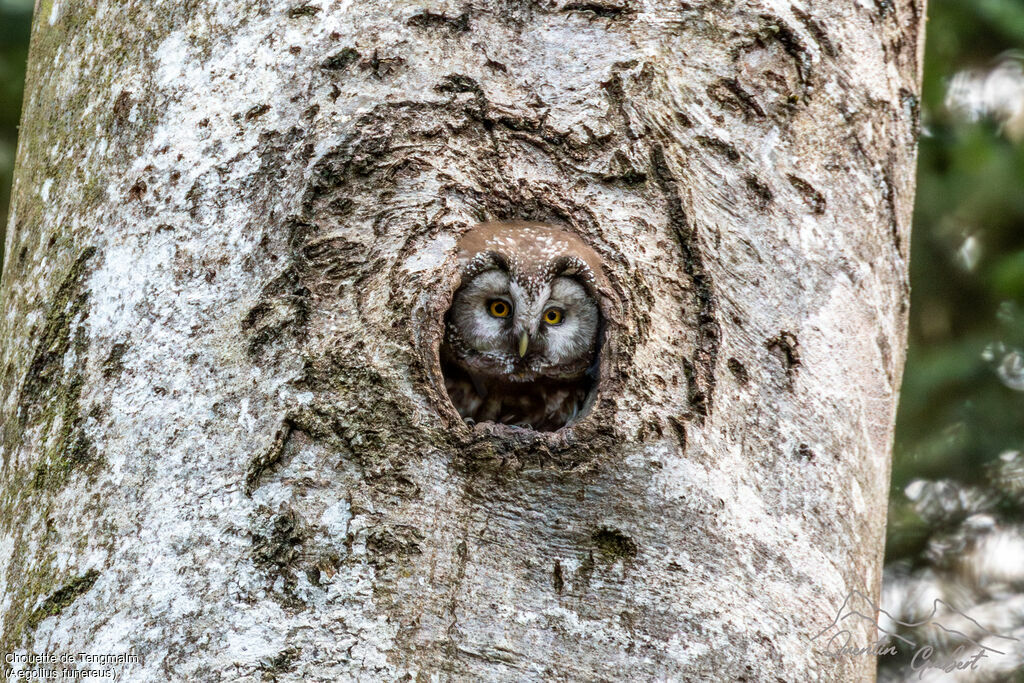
<point x="523" y="331"/>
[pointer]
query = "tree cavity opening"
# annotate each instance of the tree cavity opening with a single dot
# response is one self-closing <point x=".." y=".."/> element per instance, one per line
<point x="525" y="328"/>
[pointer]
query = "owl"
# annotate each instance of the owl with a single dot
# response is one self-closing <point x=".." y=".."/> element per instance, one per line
<point x="523" y="332"/>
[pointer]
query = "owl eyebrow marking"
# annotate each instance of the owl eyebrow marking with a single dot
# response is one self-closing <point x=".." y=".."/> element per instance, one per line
<point x="499" y="259"/>
<point x="484" y="261"/>
<point x="569" y="266"/>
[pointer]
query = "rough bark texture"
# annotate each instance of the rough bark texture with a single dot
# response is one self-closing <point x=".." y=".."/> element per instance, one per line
<point x="226" y="443"/>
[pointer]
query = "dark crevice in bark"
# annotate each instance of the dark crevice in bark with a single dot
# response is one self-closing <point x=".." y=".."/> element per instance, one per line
<point x="613" y="544"/>
<point x="557" y="578"/>
<point x="605" y="10"/>
<point x="679" y="429"/>
<point x="700" y="370"/>
<point x="382" y="67"/>
<point x="761" y="193"/>
<point x="63" y="597"/>
<point x="280" y="550"/>
<point x="268" y="458"/>
<point x="785" y="347"/>
<point x="730" y="94"/>
<point x="816" y="30"/>
<point x="738" y="371"/>
<point x="434" y="20"/>
<point x="114" y="363"/>
<point x="283" y="307"/>
<point x="719" y="147"/>
<point x="889" y="194"/>
<point x="814" y="199"/>
<point x="256" y="111"/>
<point x="340" y="61"/>
<point x="775" y="27"/>
<point x="303" y="11"/>
<point x="387" y="544"/>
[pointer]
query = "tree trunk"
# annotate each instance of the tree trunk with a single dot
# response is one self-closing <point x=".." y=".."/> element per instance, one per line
<point x="227" y="446"/>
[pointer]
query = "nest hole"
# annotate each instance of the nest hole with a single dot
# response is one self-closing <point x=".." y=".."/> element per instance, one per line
<point x="523" y="341"/>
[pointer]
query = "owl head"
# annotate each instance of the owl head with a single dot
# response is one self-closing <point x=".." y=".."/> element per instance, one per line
<point x="524" y="325"/>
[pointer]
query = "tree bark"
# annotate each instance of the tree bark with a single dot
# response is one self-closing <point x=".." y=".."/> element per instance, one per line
<point x="227" y="448"/>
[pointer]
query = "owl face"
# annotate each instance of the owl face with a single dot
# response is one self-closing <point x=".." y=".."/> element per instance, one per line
<point x="523" y="332"/>
<point x="509" y="326"/>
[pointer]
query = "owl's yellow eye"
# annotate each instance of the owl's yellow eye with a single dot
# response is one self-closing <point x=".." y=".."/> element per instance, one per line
<point x="499" y="309"/>
<point x="553" y="316"/>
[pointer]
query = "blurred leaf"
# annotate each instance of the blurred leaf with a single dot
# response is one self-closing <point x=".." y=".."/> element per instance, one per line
<point x="1004" y="17"/>
<point x="1008" y="274"/>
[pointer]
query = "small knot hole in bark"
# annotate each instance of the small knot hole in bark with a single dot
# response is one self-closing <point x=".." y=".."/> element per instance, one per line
<point x="524" y="328"/>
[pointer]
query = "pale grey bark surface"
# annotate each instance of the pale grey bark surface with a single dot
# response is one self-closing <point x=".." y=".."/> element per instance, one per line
<point x="226" y="444"/>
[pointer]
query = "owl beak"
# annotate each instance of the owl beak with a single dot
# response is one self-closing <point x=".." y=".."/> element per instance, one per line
<point x="524" y="342"/>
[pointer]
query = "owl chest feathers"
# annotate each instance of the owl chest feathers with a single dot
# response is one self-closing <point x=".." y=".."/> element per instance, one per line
<point x="543" y="405"/>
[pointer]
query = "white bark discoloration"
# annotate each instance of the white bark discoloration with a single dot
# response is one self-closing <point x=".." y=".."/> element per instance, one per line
<point x="226" y="444"/>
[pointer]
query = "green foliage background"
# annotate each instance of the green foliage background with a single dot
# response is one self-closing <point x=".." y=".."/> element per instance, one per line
<point x="15" y="16"/>
<point x="955" y="415"/>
